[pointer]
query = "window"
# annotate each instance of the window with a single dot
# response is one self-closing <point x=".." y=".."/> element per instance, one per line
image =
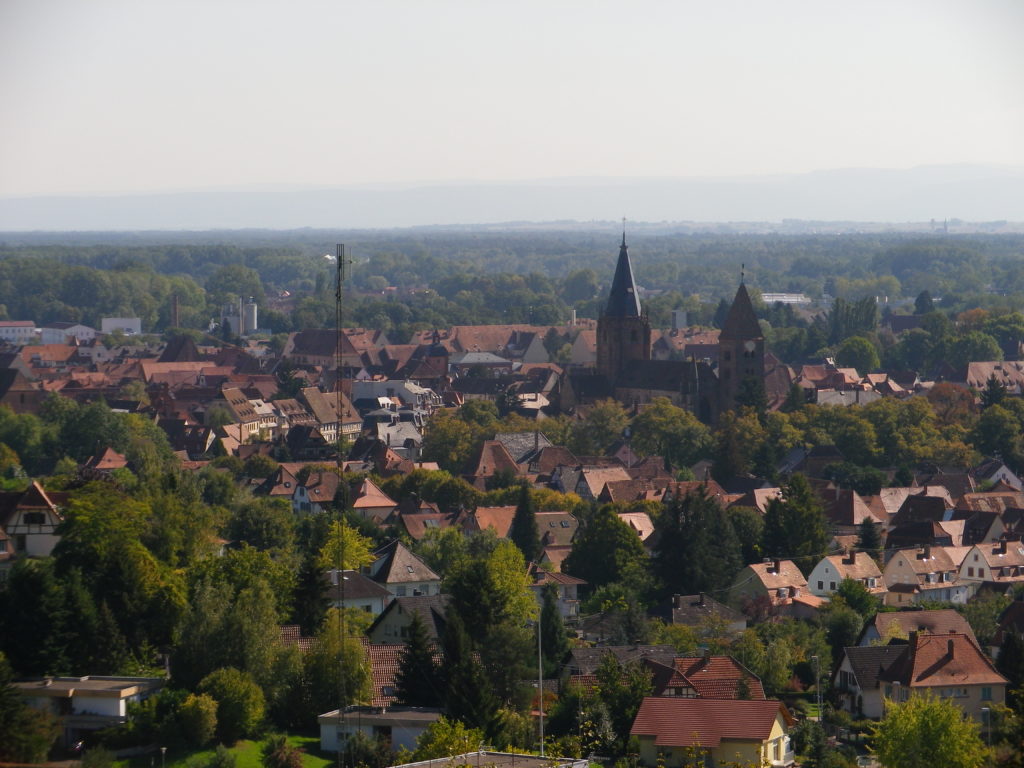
<point x="400" y="591"/>
<point x="970" y="571"/>
<point x="981" y="573"/>
<point x="832" y="586"/>
<point x="821" y="585"/>
<point x="986" y="693"/>
<point x="565" y="523"/>
<point x="34" y="518"/>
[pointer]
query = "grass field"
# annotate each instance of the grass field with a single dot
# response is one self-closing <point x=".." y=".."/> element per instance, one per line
<point x="247" y="754"/>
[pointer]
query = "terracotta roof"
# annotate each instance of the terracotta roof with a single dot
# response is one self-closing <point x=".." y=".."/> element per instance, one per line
<point x="107" y="460"/>
<point x="541" y="577"/>
<point x="498" y="518"/>
<point x="717" y="677"/>
<point x="640" y="522"/>
<point x="681" y="722"/>
<point x="862" y="567"/>
<point x="368" y="495"/>
<point x="940" y="621"/>
<point x="991" y="502"/>
<point x="938" y="660"/>
<point x="385" y="662"/>
<point x="418" y="523"/>
<point x="556" y="528"/>
<point x="787" y="575"/>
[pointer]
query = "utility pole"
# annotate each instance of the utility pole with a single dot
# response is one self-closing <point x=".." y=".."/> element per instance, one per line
<point x="540" y="685"/>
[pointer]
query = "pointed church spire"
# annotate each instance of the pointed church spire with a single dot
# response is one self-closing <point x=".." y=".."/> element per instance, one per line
<point x="741" y="322"/>
<point x="622" y="299"/>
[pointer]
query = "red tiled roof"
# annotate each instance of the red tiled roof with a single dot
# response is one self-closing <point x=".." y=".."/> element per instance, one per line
<point x="937" y="660"/>
<point x="682" y="722"/>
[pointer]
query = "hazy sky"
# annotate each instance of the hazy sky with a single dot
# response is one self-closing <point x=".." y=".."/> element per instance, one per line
<point x="142" y="95"/>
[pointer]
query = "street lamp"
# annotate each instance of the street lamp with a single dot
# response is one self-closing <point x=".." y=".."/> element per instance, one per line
<point x="817" y="683"/>
<point x="163" y="757"/>
<point x="540" y="686"/>
<point x="986" y="719"/>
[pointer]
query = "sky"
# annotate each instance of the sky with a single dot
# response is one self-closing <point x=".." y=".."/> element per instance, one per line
<point x="110" y="96"/>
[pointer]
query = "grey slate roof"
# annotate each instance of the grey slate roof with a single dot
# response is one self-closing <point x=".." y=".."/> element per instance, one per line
<point x="622" y="298"/>
<point x="398" y="565"/>
<point x="741" y="322"/>
<point x="870" y="660"/>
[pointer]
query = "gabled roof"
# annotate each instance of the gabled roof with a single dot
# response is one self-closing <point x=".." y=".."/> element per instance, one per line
<point x="482" y="518"/>
<point x="691" y="610"/>
<point x="784" y="574"/>
<point x="682" y="722"/>
<point x="556" y="527"/>
<point x="741" y="322"/>
<point x="523" y="446"/>
<point x="107" y="460"/>
<point x="869" y="661"/>
<point x="623" y="300"/>
<point x="368" y="496"/>
<point x="395" y="564"/>
<point x="430" y="608"/>
<point x="942" y="660"/>
<point x="357" y="586"/>
<point x="585" y="661"/>
<point x="857" y="565"/>
<point x="940" y="621"/>
<point x="717" y="677"/>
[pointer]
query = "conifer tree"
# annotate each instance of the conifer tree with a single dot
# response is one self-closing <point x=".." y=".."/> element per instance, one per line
<point x="795" y="527"/>
<point x="418" y="681"/>
<point x="868" y="538"/>
<point x="554" y="642"/>
<point x="524" y="531"/>
<point x="468" y="697"/>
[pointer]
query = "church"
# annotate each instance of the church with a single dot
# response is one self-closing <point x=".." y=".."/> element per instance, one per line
<point x="627" y="372"/>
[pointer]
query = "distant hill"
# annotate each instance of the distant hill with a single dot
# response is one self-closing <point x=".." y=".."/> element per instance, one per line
<point x="972" y="193"/>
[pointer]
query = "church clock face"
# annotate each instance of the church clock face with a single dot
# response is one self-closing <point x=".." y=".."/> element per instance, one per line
<point x="749" y="346"/>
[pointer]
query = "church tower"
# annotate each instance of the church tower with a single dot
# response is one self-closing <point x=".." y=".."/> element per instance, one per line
<point x="623" y="330"/>
<point x="740" y="350"/>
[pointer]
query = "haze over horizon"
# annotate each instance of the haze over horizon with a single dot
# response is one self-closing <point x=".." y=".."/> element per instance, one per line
<point x="114" y="100"/>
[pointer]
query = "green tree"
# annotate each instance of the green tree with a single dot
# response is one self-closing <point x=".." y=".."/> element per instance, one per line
<point x="278" y="753"/>
<point x="240" y="703"/>
<point x="311" y="600"/>
<point x="994" y="392"/>
<point x="336" y="668"/>
<point x="345" y="548"/>
<point x="926" y="731"/>
<point x="197" y="718"/>
<point x="975" y="346"/>
<point x="468" y="696"/>
<point x="923" y="304"/>
<point x="622" y="688"/>
<point x="524" y="532"/>
<point x="697" y="549"/>
<point x="602" y="426"/>
<point x="554" y="641"/>
<point x="665" y="430"/>
<point x="854" y="594"/>
<point x="795" y="526"/>
<point x="447" y="738"/>
<point x="418" y="681"/>
<point x="869" y="539"/>
<point x="859" y="353"/>
<point x="28" y="733"/>
<point x="606" y="550"/>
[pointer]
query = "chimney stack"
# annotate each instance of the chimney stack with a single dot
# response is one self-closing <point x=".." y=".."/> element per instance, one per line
<point x="850" y="558"/>
<point x="949" y="647"/>
<point x="777" y="566"/>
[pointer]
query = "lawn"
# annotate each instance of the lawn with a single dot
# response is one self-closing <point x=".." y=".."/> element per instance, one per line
<point x="247" y="754"/>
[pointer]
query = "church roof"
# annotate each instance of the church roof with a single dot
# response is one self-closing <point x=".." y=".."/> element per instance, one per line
<point x="622" y="299"/>
<point x="741" y="322"/>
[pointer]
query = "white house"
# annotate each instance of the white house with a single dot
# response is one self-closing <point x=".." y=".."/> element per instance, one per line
<point x="58" y="333"/>
<point x="402" y="573"/>
<point x="17" y="331"/>
<point x="129" y="326"/>
<point x="829" y="573"/>
<point x="88" y="703"/>
<point x="923" y="575"/>
<point x="30" y="518"/>
<point x="999" y="564"/>
<point x="400" y="727"/>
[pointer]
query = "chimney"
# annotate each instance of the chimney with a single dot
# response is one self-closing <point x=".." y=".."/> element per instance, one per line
<point x="850" y="558"/>
<point x="777" y="566"/>
<point x="677" y="601"/>
<point x="949" y="647"/>
<point x="1000" y="547"/>
<point x="925" y="553"/>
